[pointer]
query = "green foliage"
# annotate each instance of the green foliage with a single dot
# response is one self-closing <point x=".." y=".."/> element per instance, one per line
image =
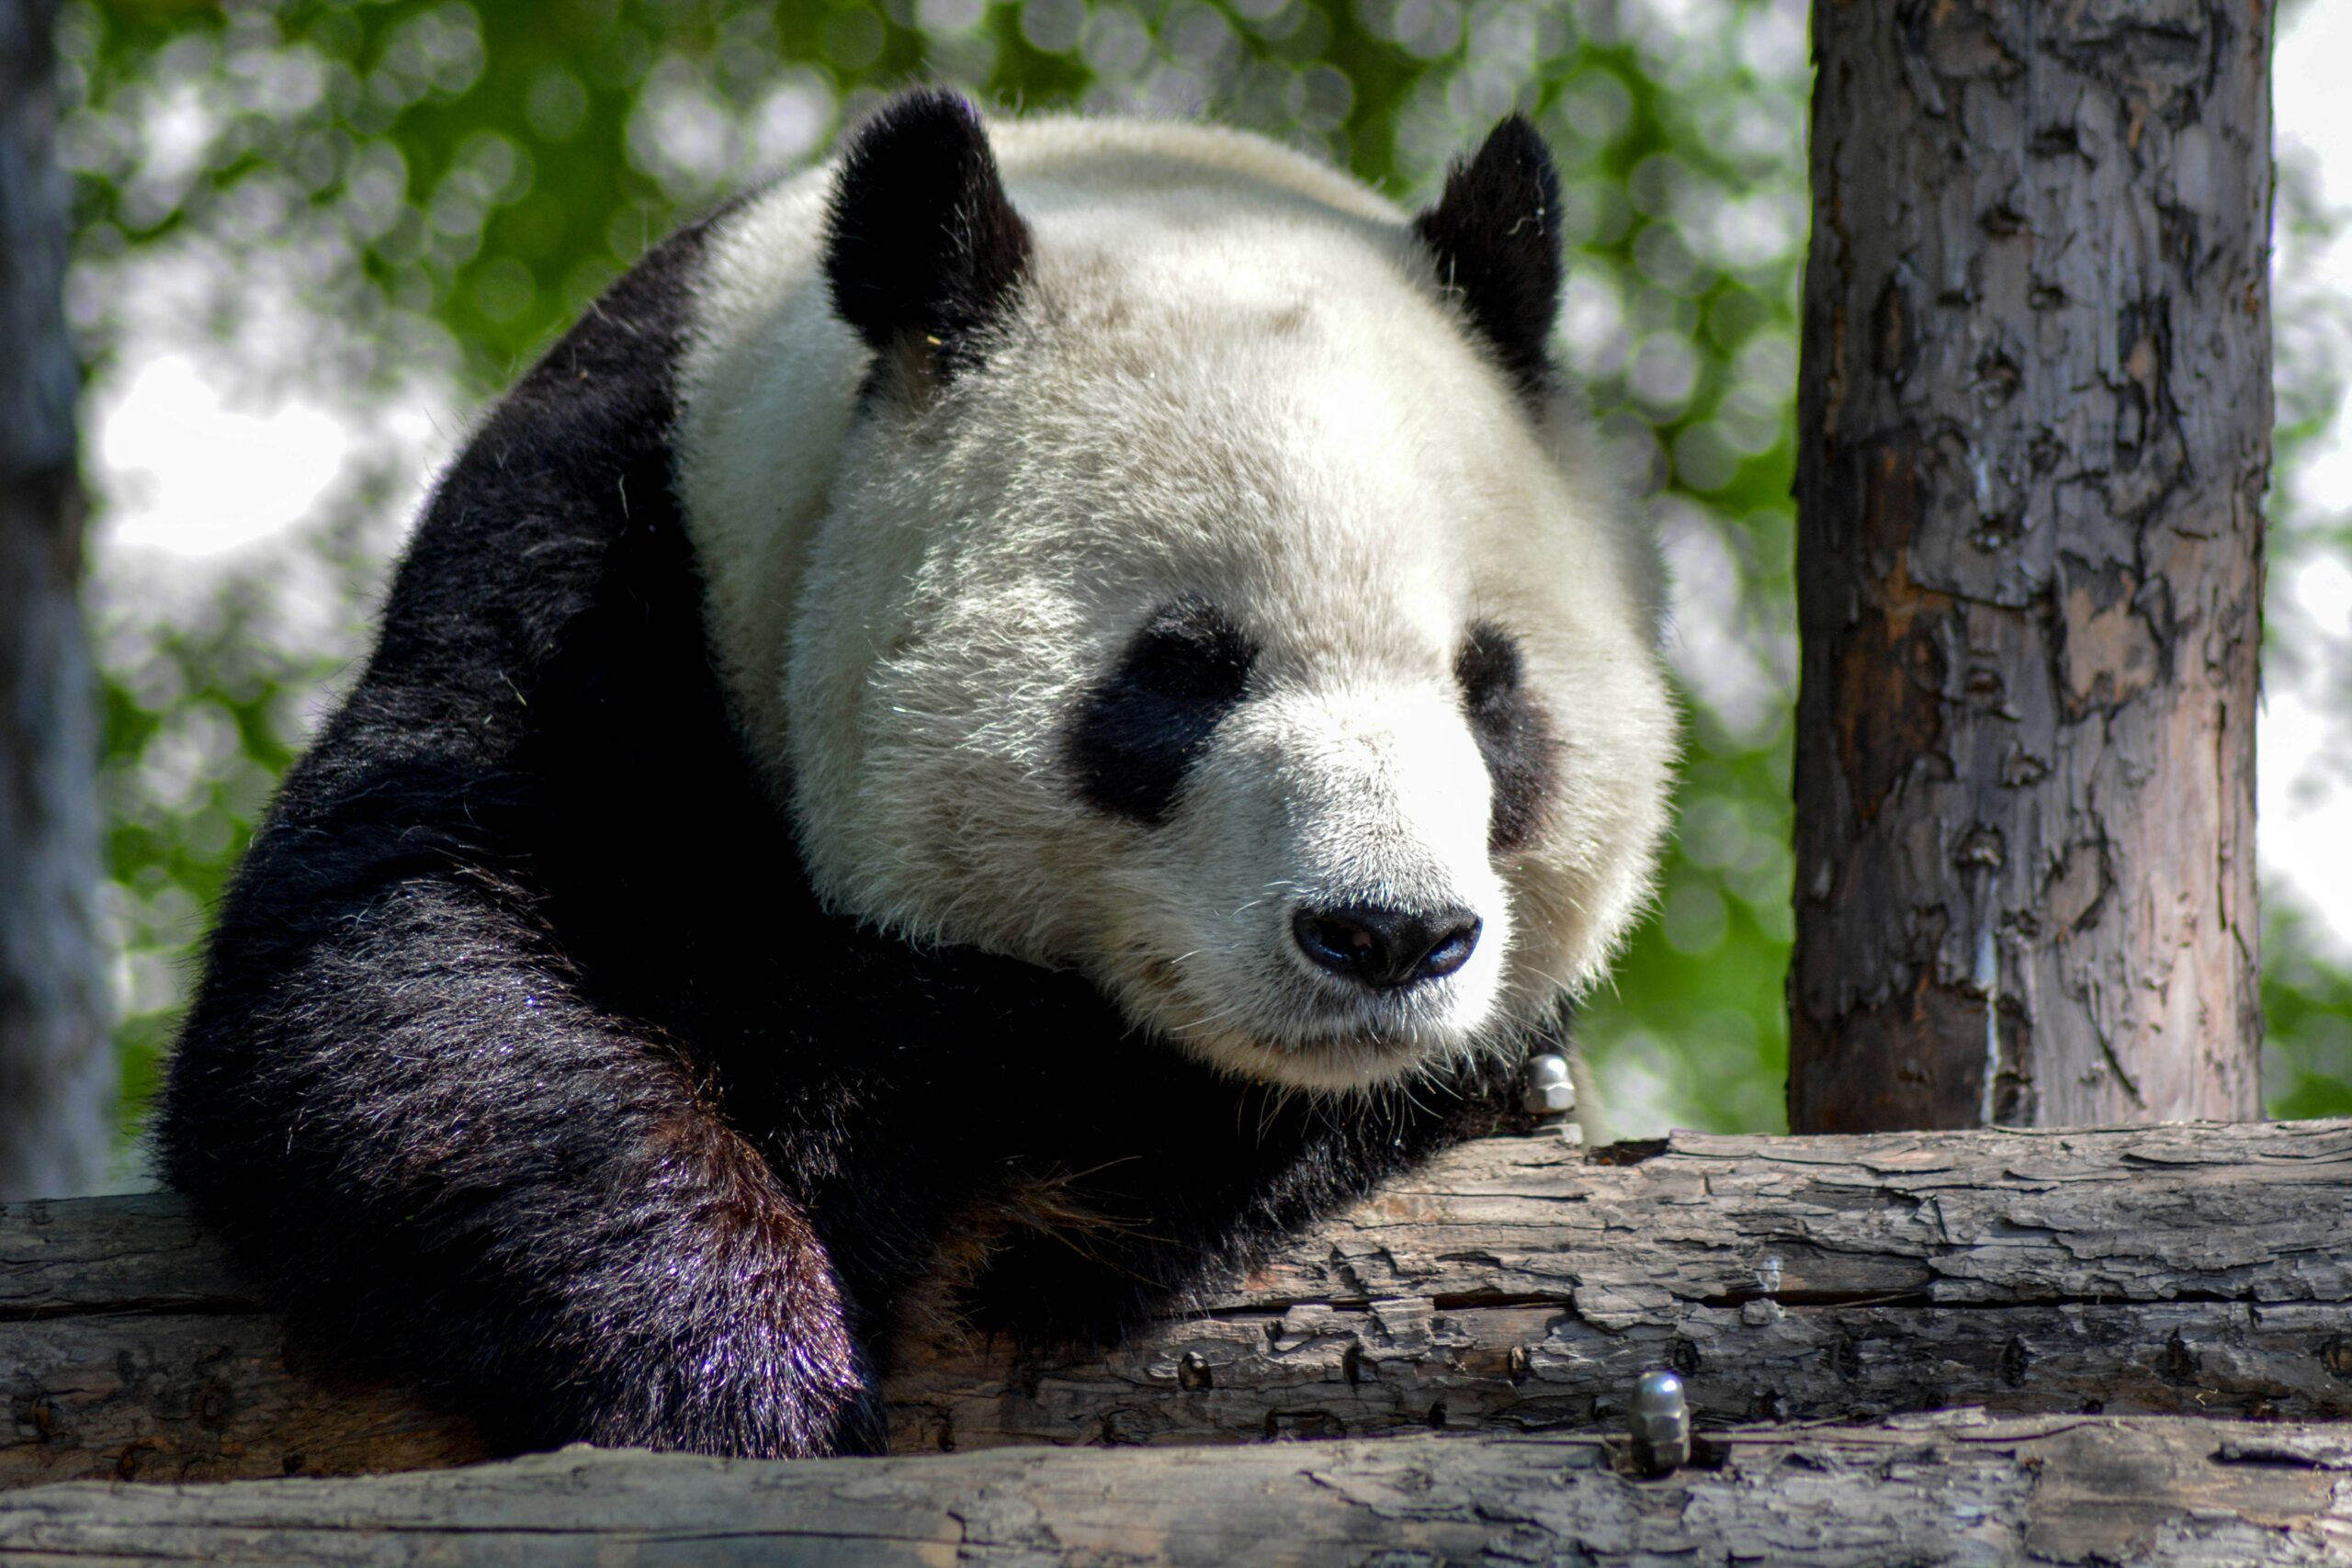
<point x="207" y="698"/>
<point x="2307" y="1007"/>
<point x="197" y="734"/>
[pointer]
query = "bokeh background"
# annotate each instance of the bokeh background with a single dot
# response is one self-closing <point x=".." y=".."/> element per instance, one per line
<point x="312" y="239"/>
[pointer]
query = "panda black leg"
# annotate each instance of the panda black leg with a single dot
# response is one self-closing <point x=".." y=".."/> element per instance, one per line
<point x="450" y="1164"/>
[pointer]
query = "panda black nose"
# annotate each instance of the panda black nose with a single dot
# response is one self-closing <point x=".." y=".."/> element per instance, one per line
<point x="1386" y="949"/>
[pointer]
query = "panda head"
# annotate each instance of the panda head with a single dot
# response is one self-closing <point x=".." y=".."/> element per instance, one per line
<point x="1214" y="594"/>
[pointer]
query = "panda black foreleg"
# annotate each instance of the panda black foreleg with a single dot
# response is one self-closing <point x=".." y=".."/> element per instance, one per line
<point x="452" y="1168"/>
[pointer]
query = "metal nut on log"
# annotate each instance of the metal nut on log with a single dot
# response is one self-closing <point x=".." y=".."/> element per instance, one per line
<point x="1658" y="1417"/>
<point x="1550" y="1091"/>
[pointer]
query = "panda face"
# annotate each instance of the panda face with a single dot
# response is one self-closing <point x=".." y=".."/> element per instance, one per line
<point x="1223" y="618"/>
<point x="1318" y="831"/>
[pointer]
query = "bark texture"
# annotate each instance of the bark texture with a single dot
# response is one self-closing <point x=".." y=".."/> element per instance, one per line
<point x="1949" y="1490"/>
<point x="2034" y="430"/>
<point x="1511" y="1286"/>
<point x="57" y="1074"/>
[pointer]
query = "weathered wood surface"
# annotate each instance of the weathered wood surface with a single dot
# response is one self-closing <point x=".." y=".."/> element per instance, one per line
<point x="2033" y="435"/>
<point x="130" y="1349"/>
<point x="1511" y="1286"/>
<point x="1961" y="1490"/>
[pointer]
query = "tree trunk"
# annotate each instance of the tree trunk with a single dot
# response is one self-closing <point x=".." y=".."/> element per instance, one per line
<point x="57" y="1072"/>
<point x="1510" y="1286"/>
<point x="2034" y="430"/>
<point x="1955" y="1490"/>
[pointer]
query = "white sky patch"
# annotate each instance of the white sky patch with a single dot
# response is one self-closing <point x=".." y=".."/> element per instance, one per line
<point x="210" y="444"/>
<point x="186" y="471"/>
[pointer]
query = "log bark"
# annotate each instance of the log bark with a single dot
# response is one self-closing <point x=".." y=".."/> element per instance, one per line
<point x="57" y="1071"/>
<point x="2034" y="432"/>
<point x="1958" y="1490"/>
<point x="1512" y="1286"/>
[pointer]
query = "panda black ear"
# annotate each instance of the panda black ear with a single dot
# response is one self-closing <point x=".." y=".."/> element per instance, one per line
<point x="923" y="249"/>
<point x="1496" y="234"/>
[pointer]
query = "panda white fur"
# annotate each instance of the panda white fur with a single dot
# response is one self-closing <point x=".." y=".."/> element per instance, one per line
<point x="1002" y="722"/>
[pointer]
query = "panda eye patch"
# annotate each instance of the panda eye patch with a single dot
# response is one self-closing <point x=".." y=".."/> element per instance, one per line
<point x="1140" y="728"/>
<point x="1487" y="668"/>
<point x="1188" y="652"/>
<point x="1513" y="733"/>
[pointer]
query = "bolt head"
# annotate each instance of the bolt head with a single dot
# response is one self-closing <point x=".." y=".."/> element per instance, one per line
<point x="1659" y="1417"/>
<point x="1549" y="1090"/>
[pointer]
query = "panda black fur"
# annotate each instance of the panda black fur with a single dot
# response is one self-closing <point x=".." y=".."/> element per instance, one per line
<point x="617" y="1060"/>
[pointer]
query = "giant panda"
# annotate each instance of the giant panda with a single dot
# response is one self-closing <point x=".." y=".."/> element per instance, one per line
<point x="1000" y="724"/>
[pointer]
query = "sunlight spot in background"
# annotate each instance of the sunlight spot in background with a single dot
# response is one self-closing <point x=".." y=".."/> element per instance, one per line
<point x="212" y="444"/>
<point x="187" y="473"/>
<point x="1734" y="666"/>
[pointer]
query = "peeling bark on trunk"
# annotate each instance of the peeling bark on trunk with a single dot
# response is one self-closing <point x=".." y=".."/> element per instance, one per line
<point x="2034" y="431"/>
<point x="1511" y="1286"/>
<point x="57" y="1072"/>
<point x="1956" y="1490"/>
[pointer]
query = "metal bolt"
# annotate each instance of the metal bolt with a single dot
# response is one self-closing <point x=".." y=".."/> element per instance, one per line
<point x="1192" y="1372"/>
<point x="1659" y="1418"/>
<point x="1550" y="1091"/>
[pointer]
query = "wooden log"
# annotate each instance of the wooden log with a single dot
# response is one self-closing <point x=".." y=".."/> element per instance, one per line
<point x="2076" y="1490"/>
<point x="1510" y="1286"/>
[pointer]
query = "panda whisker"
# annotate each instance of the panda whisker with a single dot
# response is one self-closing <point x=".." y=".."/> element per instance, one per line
<point x="1424" y="1076"/>
<point x="1272" y="1108"/>
<point x="1193" y="1027"/>
<point x="1558" y="986"/>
